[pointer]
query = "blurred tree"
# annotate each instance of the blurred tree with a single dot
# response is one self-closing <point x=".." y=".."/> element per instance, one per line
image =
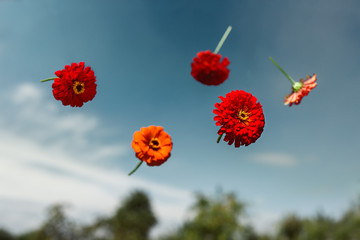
<point x="320" y="228"/>
<point x="290" y="227"/>
<point x="55" y="227"/>
<point x="101" y="229"/>
<point x="250" y="234"/>
<point x="32" y="235"/>
<point x="58" y="227"/>
<point x="134" y="219"/>
<point x="348" y="227"/>
<point x="5" y="235"/>
<point x="215" y="219"/>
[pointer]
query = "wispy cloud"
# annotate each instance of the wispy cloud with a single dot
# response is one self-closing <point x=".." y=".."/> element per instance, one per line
<point x="41" y="165"/>
<point x="275" y="159"/>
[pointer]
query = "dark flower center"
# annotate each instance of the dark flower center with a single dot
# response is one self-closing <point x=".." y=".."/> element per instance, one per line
<point x="244" y="117"/>
<point x="78" y="87"/>
<point x="154" y="143"/>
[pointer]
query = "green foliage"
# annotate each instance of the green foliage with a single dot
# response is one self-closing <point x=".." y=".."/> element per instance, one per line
<point x="5" y="235"/>
<point x="215" y="219"/>
<point x="291" y="227"/>
<point x="349" y="224"/>
<point x="250" y="234"/>
<point x="134" y="219"/>
<point x="56" y="227"/>
<point x="101" y="229"/>
<point x="33" y="235"/>
<point x="320" y="227"/>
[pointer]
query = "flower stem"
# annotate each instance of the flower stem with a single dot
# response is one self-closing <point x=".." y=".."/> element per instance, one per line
<point x="219" y="138"/>
<point x="48" y="79"/>
<point x="222" y="40"/>
<point x="136" y="168"/>
<point x="282" y="70"/>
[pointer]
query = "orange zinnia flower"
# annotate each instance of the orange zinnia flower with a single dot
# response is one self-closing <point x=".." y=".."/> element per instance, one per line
<point x="152" y="145"/>
<point x="305" y="88"/>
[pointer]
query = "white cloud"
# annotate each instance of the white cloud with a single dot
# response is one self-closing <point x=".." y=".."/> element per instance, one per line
<point x="26" y="92"/>
<point x="45" y="154"/>
<point x="43" y="118"/>
<point x="275" y="159"/>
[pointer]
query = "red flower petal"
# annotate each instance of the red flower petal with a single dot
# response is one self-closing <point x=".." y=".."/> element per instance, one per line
<point x="241" y="118"/>
<point x="74" y="85"/>
<point x="208" y="69"/>
<point x="296" y="97"/>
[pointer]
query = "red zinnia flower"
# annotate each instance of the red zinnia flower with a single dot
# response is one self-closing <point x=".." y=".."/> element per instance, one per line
<point x="241" y="118"/>
<point x="208" y="69"/>
<point x="303" y="89"/>
<point x="152" y="145"/>
<point x="74" y="85"/>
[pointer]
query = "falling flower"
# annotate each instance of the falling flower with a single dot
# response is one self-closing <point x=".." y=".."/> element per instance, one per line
<point x="241" y="118"/>
<point x="74" y="84"/>
<point x="305" y="88"/>
<point x="208" y="68"/>
<point x="151" y="145"/>
<point x="299" y="89"/>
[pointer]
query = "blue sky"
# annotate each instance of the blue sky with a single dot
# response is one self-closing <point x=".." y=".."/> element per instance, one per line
<point x="306" y="159"/>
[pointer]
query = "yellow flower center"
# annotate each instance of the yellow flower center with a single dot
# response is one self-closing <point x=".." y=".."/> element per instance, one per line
<point x="78" y="87"/>
<point x="244" y="117"/>
<point x="154" y="143"/>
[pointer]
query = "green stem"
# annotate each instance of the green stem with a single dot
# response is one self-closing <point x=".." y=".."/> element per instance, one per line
<point x="136" y="168"/>
<point x="222" y="40"/>
<point x="48" y="79"/>
<point x="282" y="70"/>
<point x="219" y="138"/>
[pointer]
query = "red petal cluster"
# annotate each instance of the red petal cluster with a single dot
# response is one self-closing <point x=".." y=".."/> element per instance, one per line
<point x="296" y="97"/>
<point x="208" y="69"/>
<point x="241" y="118"/>
<point x="75" y="85"/>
